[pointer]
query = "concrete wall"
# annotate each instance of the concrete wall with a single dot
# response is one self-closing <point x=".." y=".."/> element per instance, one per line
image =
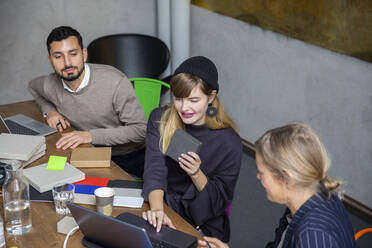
<point x="253" y="218"/>
<point x="25" y="25"/>
<point x="268" y="80"/>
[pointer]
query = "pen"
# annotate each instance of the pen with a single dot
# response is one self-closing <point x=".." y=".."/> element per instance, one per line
<point x="202" y="235"/>
<point x="208" y="244"/>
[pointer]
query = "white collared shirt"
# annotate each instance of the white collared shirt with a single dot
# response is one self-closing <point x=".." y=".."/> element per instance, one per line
<point x="83" y="84"/>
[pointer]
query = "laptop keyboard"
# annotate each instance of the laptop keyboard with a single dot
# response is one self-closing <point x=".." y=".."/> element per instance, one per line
<point x="160" y="244"/>
<point x="15" y="128"/>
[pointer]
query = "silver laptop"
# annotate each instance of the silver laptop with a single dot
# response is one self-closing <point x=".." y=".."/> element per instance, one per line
<point x="126" y="231"/>
<point x="21" y="124"/>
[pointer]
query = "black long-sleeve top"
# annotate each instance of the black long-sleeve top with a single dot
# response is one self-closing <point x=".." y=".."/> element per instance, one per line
<point x="220" y="156"/>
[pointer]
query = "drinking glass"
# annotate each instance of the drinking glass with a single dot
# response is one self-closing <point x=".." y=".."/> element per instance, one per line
<point x="63" y="194"/>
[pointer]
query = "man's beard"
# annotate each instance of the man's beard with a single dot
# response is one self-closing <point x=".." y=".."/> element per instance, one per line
<point x="72" y="77"/>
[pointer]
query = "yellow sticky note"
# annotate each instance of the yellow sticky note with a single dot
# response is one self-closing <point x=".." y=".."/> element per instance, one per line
<point x="56" y="163"/>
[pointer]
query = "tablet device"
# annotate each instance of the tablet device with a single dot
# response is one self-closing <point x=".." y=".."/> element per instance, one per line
<point x="182" y="142"/>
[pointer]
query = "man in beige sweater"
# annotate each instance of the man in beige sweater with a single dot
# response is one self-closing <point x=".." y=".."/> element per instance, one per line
<point x="98" y="101"/>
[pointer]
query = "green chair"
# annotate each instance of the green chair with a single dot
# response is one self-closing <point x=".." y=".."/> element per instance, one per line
<point x="148" y="91"/>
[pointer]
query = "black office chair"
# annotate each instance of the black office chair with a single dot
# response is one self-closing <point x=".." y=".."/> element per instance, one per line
<point x="136" y="55"/>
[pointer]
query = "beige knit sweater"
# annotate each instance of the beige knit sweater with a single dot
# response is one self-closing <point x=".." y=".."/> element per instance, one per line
<point x="107" y="107"/>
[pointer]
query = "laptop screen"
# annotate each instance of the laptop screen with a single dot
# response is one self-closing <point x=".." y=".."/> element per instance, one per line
<point x="108" y="231"/>
<point x="126" y="231"/>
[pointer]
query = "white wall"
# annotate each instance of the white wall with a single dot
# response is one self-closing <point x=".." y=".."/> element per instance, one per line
<point x="268" y="80"/>
<point x="25" y="25"/>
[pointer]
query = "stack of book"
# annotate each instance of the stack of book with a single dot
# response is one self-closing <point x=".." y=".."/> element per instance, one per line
<point x="127" y="193"/>
<point x="24" y="148"/>
<point x="84" y="189"/>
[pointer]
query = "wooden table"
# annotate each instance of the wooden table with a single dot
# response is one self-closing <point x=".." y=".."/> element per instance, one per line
<point x="44" y="219"/>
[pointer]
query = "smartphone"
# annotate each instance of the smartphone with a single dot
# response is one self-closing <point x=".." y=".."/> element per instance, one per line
<point x="182" y="143"/>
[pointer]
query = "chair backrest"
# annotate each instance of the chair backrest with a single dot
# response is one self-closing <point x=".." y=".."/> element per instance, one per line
<point x="148" y="93"/>
<point x="136" y="55"/>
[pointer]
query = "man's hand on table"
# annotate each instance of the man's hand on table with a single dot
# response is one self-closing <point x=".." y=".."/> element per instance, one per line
<point x="56" y="120"/>
<point x="73" y="139"/>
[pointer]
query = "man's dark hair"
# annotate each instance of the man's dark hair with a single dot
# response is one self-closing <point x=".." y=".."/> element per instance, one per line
<point x="61" y="33"/>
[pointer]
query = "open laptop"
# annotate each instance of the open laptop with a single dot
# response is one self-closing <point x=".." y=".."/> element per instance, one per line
<point x="21" y="124"/>
<point x="126" y="231"/>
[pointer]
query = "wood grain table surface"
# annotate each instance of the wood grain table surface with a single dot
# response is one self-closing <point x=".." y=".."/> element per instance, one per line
<point x="44" y="219"/>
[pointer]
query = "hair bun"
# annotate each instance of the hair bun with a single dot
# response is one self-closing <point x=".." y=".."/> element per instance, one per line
<point x="329" y="183"/>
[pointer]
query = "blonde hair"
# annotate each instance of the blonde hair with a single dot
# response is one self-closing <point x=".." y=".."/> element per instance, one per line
<point x="295" y="149"/>
<point x="181" y="86"/>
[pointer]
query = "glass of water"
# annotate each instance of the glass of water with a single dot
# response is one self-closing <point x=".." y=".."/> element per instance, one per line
<point x="63" y="194"/>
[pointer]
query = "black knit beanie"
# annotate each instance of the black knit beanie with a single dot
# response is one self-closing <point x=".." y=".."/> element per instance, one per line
<point x="201" y="67"/>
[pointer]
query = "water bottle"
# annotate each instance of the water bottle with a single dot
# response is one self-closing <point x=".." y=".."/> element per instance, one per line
<point x="2" y="237"/>
<point x="16" y="199"/>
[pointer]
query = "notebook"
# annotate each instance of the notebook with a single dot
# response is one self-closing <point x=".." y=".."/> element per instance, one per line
<point x="91" y="157"/>
<point x="20" y="147"/>
<point x="21" y="124"/>
<point x="38" y="154"/>
<point x="84" y="194"/>
<point x="125" y="197"/>
<point x="125" y="231"/>
<point x="43" y="180"/>
<point x="127" y="193"/>
<point x="182" y="142"/>
<point x="2" y="173"/>
<point x="119" y="183"/>
<point x="35" y="195"/>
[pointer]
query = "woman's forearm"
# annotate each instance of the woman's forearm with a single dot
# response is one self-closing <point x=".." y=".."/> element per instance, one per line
<point x="199" y="179"/>
<point x="156" y="199"/>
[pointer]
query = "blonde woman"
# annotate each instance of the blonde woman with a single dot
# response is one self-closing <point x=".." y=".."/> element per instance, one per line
<point x="292" y="164"/>
<point x="199" y="187"/>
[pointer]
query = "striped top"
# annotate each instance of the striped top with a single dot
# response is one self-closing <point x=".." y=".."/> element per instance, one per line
<point x="320" y="222"/>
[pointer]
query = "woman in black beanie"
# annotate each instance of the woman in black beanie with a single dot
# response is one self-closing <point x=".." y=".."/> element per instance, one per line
<point x="199" y="187"/>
